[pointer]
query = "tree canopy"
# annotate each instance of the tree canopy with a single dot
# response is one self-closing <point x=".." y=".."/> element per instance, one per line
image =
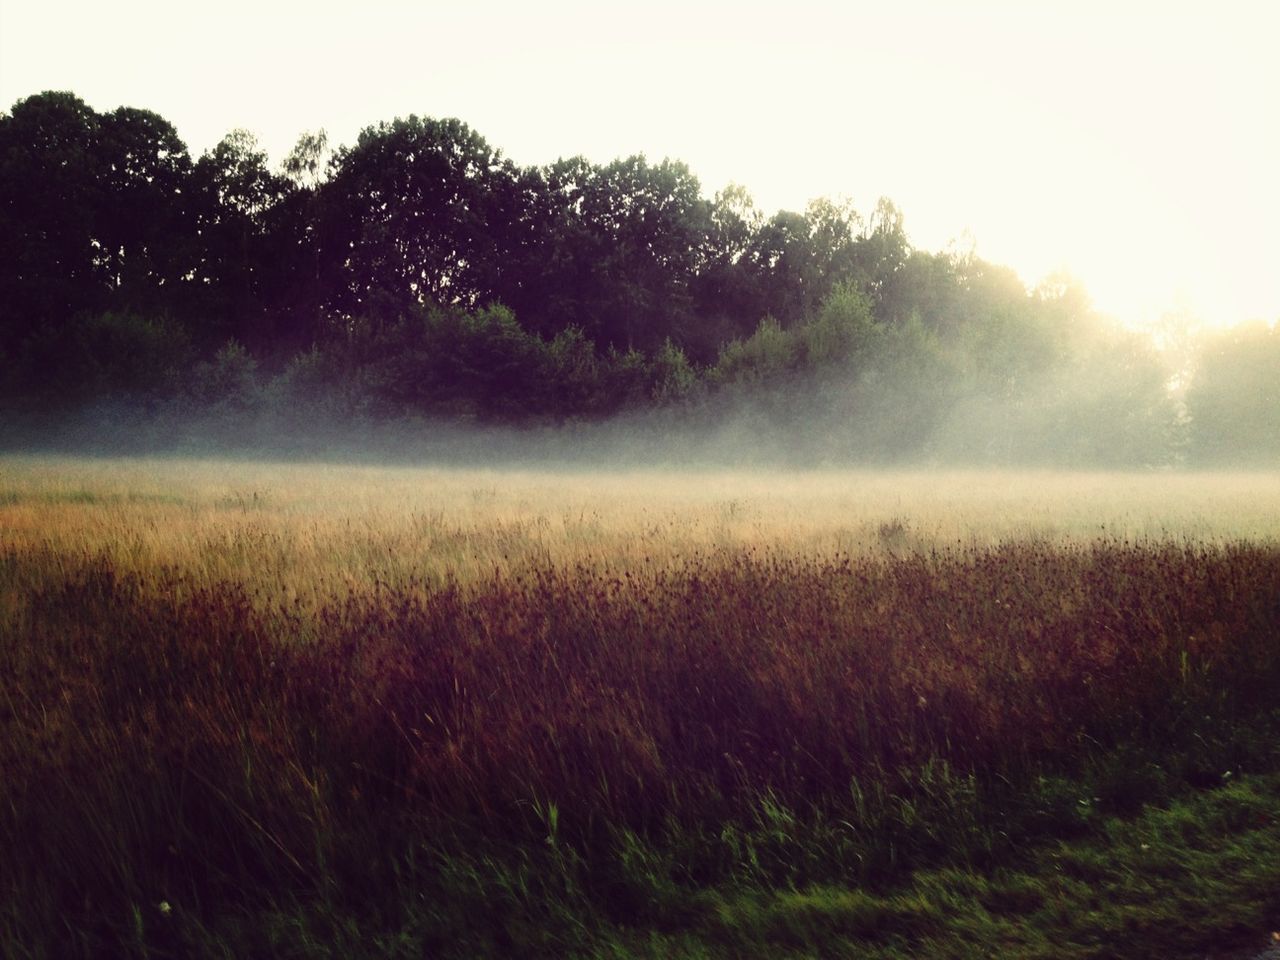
<point x="420" y="273"/>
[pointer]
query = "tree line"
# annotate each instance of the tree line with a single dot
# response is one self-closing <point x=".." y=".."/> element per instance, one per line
<point x="420" y="275"/>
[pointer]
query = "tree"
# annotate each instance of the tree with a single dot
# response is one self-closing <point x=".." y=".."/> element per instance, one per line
<point x="241" y="267"/>
<point x="797" y="259"/>
<point x="1234" y="399"/>
<point x="924" y="285"/>
<point x="300" y="242"/>
<point x="144" y="228"/>
<point x="52" y="264"/>
<point x="305" y="163"/>
<point x="879" y="256"/>
<point x="728" y="297"/>
<point x="782" y="260"/>
<point x="95" y="216"/>
<point x="618" y="247"/>
<point x="419" y="211"/>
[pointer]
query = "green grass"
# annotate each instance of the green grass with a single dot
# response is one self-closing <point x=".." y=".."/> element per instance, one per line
<point x="1198" y="875"/>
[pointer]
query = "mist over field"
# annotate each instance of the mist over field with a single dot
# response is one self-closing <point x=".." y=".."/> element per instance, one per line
<point x="813" y="510"/>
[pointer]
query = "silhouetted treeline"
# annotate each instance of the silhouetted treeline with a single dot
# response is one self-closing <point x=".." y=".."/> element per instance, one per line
<point x="419" y="275"/>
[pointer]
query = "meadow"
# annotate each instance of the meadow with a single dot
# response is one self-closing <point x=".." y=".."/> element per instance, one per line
<point x="313" y="710"/>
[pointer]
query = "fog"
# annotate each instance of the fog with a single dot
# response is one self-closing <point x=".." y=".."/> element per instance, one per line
<point x="1118" y="405"/>
<point x="803" y="425"/>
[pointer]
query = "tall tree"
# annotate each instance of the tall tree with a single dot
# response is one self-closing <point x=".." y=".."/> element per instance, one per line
<point x="1234" y="398"/>
<point x="300" y="242"/>
<point x="783" y="259"/>
<point x="881" y="253"/>
<point x="420" y="210"/>
<point x="144" y="227"/>
<point x="728" y="297"/>
<point x="95" y="215"/>
<point x="242" y="253"/>
<point x="52" y="263"/>
<point x="618" y="248"/>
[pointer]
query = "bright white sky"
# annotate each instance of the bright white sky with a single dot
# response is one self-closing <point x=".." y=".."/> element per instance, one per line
<point x="1135" y="144"/>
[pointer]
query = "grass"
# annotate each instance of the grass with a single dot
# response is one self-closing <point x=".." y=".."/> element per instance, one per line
<point x="307" y="711"/>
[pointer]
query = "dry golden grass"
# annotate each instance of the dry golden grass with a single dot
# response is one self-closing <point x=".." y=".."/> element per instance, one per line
<point x="325" y="529"/>
<point x="228" y="684"/>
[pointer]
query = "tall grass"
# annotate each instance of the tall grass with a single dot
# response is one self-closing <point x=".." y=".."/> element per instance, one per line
<point x="262" y="725"/>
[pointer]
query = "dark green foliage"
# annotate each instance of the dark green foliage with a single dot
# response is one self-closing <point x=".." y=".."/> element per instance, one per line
<point x="418" y="211"/>
<point x="121" y="355"/>
<point x="612" y="250"/>
<point x="472" y="367"/>
<point x="50" y="193"/>
<point x="419" y="275"/>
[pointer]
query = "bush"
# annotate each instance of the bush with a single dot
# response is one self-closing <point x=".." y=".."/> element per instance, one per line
<point x="226" y="385"/>
<point x="119" y="356"/>
<point x="674" y="378"/>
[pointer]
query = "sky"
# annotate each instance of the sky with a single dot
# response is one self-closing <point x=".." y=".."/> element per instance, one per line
<point x="1133" y="145"/>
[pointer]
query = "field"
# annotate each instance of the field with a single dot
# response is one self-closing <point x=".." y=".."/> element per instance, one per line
<point x="342" y="710"/>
